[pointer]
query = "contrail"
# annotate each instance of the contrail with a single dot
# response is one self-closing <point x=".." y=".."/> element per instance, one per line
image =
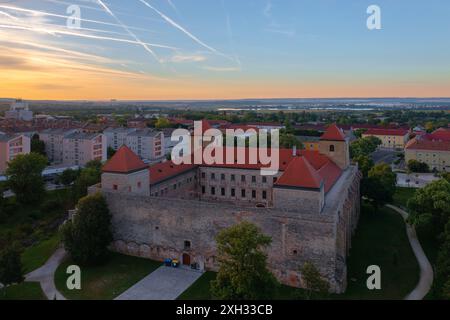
<point x="44" y="13"/>
<point x="9" y="16"/>
<point x="101" y="3"/>
<point x="82" y="35"/>
<point x="186" y="32"/>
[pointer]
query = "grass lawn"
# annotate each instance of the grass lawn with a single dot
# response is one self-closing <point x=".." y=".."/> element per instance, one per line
<point x="107" y="281"/>
<point x="380" y="240"/>
<point x="402" y="195"/>
<point x="23" y="291"/>
<point x="36" y="256"/>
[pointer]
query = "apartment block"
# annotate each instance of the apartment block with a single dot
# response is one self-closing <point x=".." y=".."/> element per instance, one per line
<point x="117" y="137"/>
<point x="80" y="148"/>
<point x="10" y="147"/>
<point x="54" y="141"/>
<point x="146" y="143"/>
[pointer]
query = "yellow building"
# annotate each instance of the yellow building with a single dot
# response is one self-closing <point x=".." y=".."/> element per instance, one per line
<point x="435" y="153"/>
<point x="390" y="138"/>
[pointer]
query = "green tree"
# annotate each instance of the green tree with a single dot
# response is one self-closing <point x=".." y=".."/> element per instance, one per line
<point x="87" y="237"/>
<point x="288" y="141"/>
<point x="11" y="270"/>
<point x="365" y="163"/>
<point x="441" y="284"/>
<point x="68" y="177"/>
<point x="316" y="287"/>
<point x="417" y="166"/>
<point x="364" y="146"/>
<point x="430" y="205"/>
<point x="243" y="272"/>
<point x="379" y="186"/>
<point x="88" y="177"/>
<point x="162" y="123"/>
<point x="38" y="146"/>
<point x="25" y="177"/>
<point x="111" y="152"/>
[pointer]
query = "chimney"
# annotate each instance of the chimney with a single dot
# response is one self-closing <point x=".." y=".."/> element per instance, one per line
<point x="294" y="151"/>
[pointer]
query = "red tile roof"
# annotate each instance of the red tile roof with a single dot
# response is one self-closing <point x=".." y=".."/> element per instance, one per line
<point x="333" y="133"/>
<point x="428" y="145"/>
<point x="124" y="161"/>
<point x="387" y="132"/>
<point x="300" y="174"/>
<point x="441" y="134"/>
<point x="319" y="164"/>
<point x="162" y="171"/>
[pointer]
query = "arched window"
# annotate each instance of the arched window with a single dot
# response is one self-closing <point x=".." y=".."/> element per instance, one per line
<point x="332" y="148"/>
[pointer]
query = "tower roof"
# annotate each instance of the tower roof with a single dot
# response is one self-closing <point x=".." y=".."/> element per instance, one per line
<point x="333" y="133"/>
<point x="124" y="161"/>
<point x="300" y="174"/>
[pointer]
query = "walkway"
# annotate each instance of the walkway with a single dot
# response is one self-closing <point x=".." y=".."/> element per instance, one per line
<point x="165" y="283"/>
<point x="426" y="270"/>
<point x="45" y="275"/>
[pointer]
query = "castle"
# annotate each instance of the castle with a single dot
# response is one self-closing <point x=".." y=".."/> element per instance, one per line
<point x="310" y="208"/>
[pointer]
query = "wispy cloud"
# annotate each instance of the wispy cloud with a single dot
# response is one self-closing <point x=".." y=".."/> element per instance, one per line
<point x="179" y="58"/>
<point x="221" y="69"/>
<point x="274" y="26"/>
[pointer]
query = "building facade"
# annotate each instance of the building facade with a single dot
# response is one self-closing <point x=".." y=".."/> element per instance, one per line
<point x="310" y="208"/>
<point x="10" y="147"/>
<point x="390" y="138"/>
<point x="54" y="143"/>
<point x="80" y="148"/>
<point x="430" y="150"/>
<point x="19" y="111"/>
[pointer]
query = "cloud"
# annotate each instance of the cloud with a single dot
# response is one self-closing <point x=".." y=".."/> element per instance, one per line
<point x="187" y="58"/>
<point x="221" y="69"/>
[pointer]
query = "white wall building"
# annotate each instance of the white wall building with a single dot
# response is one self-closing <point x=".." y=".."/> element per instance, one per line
<point x="19" y="110"/>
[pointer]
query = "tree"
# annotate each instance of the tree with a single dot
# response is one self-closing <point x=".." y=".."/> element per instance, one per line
<point x="89" y="176"/>
<point x="441" y="284"/>
<point x="430" y="205"/>
<point x="288" y="141"/>
<point x="11" y="270"/>
<point x="111" y="152"/>
<point x="25" y="177"/>
<point x="379" y="186"/>
<point x="243" y="272"/>
<point x="162" y="123"/>
<point x="38" y="146"/>
<point x="316" y="287"/>
<point x="417" y="166"/>
<point x="364" y="146"/>
<point x="88" y="235"/>
<point x="68" y="177"/>
<point x="365" y="163"/>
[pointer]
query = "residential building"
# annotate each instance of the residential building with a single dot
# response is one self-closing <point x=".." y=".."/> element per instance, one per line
<point x="11" y="146"/>
<point x="79" y="148"/>
<point x="117" y="137"/>
<point x="147" y="143"/>
<point x="19" y="111"/>
<point x="54" y="142"/>
<point x="431" y="150"/>
<point x="390" y="138"/>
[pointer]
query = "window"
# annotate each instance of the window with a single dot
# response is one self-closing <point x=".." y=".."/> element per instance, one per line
<point x="222" y="177"/>
<point x="115" y="187"/>
<point x="332" y="148"/>
<point x="174" y="187"/>
<point x="233" y="192"/>
<point x="139" y="185"/>
<point x="213" y="176"/>
<point x="254" y="179"/>
<point x="264" y="179"/>
<point x="213" y="191"/>
<point x="233" y="177"/>
<point x="203" y="189"/>
<point x="264" y="195"/>
<point x="254" y="194"/>
<point x="222" y="192"/>
<point x="242" y="178"/>
<point x="274" y="179"/>
<point x="187" y="245"/>
<point x="243" y="193"/>
<point x="203" y="175"/>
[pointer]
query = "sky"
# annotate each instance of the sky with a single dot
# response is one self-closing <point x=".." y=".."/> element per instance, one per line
<point x="223" y="49"/>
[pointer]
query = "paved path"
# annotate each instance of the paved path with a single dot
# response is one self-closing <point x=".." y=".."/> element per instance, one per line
<point x="45" y="275"/>
<point x="165" y="283"/>
<point x="426" y="270"/>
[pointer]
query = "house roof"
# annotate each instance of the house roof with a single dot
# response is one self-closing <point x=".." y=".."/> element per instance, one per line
<point x="442" y="134"/>
<point x="124" y="161"/>
<point x="333" y="133"/>
<point x="428" y="145"/>
<point x="300" y="174"/>
<point x="163" y="171"/>
<point x="387" y="132"/>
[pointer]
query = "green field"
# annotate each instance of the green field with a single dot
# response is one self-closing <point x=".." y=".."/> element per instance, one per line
<point x="402" y="195"/>
<point x="380" y="240"/>
<point x="107" y="281"/>
<point x="23" y="291"/>
<point x="36" y="255"/>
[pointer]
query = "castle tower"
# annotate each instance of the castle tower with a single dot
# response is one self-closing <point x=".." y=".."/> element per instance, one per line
<point x="125" y="172"/>
<point x="334" y="145"/>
